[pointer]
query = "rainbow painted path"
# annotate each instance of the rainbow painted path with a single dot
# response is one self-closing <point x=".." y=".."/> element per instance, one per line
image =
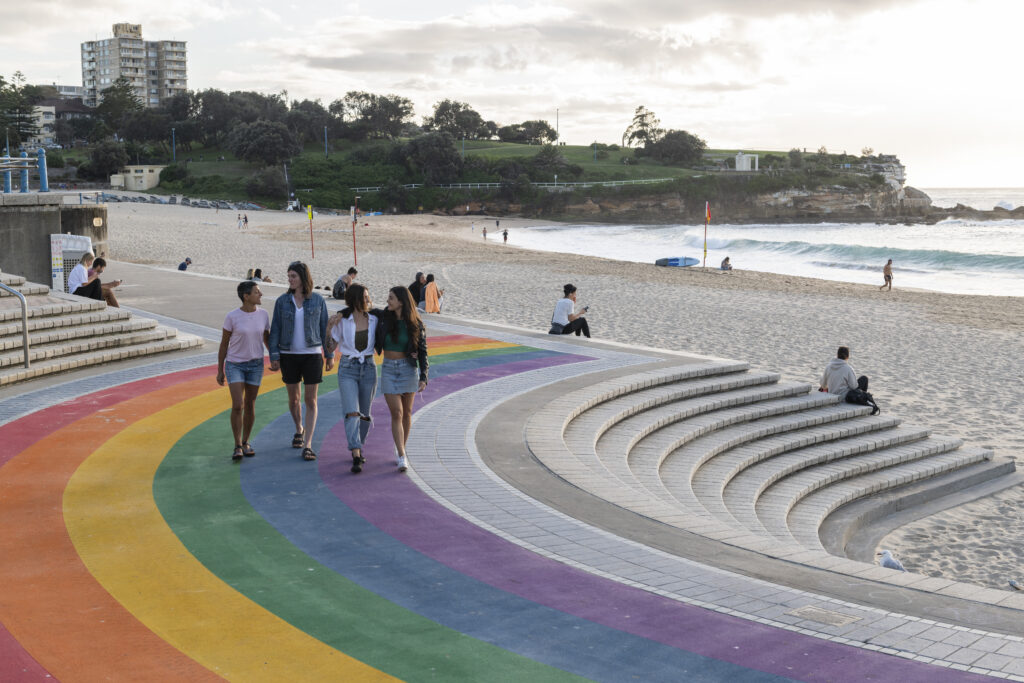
<point x="131" y="548"/>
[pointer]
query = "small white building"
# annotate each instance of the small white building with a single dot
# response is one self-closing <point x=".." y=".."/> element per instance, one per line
<point x="137" y="178"/>
<point x="746" y="162"/>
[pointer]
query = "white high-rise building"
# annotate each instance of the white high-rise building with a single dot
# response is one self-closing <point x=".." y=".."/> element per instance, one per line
<point x="154" y="68"/>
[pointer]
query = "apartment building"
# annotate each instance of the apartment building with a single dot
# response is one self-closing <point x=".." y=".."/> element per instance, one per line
<point x="156" y="69"/>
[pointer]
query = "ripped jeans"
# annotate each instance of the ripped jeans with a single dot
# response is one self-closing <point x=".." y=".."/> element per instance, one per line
<point x="357" y="383"/>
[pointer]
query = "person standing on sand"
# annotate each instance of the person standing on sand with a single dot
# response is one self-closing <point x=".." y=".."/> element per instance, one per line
<point x="297" y="336"/>
<point x="245" y="221"/>
<point x="402" y="339"/>
<point x="484" y="232"/>
<point x="239" y="221"/>
<point x="887" y="274"/>
<point x="504" y="234"/>
<point x="240" y="362"/>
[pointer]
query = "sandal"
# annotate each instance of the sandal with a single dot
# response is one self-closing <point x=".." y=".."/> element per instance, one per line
<point x="247" y="449"/>
<point x="297" y="440"/>
<point x="308" y="454"/>
<point x="237" y="455"/>
<point x="357" y="463"/>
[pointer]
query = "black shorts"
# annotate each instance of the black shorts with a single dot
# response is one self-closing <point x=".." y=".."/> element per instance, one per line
<point x="305" y="367"/>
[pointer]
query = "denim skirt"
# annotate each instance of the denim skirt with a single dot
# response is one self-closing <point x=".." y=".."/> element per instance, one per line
<point x="398" y="376"/>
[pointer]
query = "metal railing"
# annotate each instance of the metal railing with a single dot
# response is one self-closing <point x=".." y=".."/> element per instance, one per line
<point x="470" y="186"/>
<point x="24" y="319"/>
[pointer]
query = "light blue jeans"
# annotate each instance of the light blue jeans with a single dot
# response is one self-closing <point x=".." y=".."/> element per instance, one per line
<point x="357" y="383"/>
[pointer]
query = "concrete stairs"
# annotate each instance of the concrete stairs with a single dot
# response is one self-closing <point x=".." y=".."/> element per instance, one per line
<point x="68" y="332"/>
<point x="741" y="457"/>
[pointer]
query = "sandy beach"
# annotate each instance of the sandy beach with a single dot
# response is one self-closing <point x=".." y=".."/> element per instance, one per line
<point x="944" y="361"/>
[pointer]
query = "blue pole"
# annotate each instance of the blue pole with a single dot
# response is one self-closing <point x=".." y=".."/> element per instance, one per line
<point x="44" y="181"/>
<point x="7" y="174"/>
<point x="174" y="149"/>
<point x="23" y="176"/>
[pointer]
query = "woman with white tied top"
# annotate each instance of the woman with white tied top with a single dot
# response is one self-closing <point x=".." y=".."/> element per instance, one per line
<point x="353" y="332"/>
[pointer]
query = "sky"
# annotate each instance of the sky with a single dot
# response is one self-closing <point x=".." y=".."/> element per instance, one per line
<point x="933" y="81"/>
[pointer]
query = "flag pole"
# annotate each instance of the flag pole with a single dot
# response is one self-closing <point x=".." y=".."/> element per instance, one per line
<point x="309" y="211"/>
<point x="707" y="219"/>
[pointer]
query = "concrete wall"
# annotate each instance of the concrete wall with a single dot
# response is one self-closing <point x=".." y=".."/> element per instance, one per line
<point x="28" y="220"/>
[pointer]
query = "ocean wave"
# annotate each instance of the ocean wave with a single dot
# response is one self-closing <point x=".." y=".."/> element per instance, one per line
<point x="866" y="266"/>
<point x="933" y="259"/>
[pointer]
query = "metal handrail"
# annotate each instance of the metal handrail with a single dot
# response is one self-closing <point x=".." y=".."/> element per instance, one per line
<point x="24" y="319"/>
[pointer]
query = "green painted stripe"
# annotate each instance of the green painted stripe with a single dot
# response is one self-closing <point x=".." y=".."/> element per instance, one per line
<point x="199" y="493"/>
<point x="442" y="358"/>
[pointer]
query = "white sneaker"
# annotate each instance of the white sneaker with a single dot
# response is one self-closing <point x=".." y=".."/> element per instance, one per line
<point x="401" y="463"/>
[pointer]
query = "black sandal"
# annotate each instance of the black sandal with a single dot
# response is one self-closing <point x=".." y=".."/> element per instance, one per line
<point x="247" y="449"/>
<point x="357" y="463"/>
<point x="297" y="440"/>
<point x="308" y="454"/>
<point x="237" y="455"/>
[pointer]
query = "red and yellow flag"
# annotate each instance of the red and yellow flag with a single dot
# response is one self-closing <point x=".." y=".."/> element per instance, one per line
<point x="707" y="212"/>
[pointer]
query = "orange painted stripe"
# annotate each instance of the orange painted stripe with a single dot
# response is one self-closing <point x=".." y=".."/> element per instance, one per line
<point x="48" y="599"/>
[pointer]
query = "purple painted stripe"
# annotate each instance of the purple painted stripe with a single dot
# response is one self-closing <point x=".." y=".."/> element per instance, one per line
<point x="397" y="507"/>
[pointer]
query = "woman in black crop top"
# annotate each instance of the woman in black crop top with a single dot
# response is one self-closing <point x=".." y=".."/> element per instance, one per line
<point x="402" y="339"/>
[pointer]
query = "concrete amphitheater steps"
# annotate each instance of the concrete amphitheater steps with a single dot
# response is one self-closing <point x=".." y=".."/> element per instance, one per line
<point x="68" y="332"/>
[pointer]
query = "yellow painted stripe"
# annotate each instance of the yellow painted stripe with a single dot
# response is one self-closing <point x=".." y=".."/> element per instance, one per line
<point x="438" y="349"/>
<point x="114" y="523"/>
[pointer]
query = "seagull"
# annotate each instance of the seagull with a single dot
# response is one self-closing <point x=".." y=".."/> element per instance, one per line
<point x="1016" y="585"/>
<point x="890" y="562"/>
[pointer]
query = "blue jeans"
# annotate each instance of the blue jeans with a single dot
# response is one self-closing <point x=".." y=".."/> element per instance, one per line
<point x="357" y="383"/>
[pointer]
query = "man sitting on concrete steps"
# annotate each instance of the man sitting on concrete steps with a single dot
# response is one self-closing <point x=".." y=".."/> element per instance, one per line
<point x="840" y="379"/>
<point x="84" y="281"/>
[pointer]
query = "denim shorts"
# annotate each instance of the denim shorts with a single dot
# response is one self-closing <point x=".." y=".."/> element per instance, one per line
<point x="398" y="376"/>
<point x="248" y="372"/>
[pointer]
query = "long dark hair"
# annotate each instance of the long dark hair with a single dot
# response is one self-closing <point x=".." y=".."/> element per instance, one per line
<point x="409" y="314"/>
<point x="305" y="277"/>
<point x="355" y="300"/>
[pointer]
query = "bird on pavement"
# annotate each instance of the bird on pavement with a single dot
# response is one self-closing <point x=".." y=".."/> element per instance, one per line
<point x="890" y="562"/>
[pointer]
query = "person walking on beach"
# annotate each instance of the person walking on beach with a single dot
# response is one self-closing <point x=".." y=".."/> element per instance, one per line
<point x="402" y="339"/>
<point x="504" y="234"/>
<point x="239" y="221"/>
<point x="433" y="298"/>
<point x="245" y="221"/>
<point x="297" y="335"/>
<point x="565" y="320"/>
<point x="240" y="362"/>
<point x="484" y="233"/>
<point x="887" y="274"/>
<point x="353" y="332"/>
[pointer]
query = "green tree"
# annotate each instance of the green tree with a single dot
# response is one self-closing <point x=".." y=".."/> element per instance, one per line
<point x="17" y="102"/>
<point x="266" y="142"/>
<point x="796" y="158"/>
<point x="528" y="132"/>
<point x="380" y="116"/>
<point x="146" y="125"/>
<point x="433" y="157"/>
<point x="677" y="147"/>
<point x="118" y="101"/>
<point x="307" y="120"/>
<point x="644" y="129"/>
<point x="458" y="119"/>
<point x="107" y="158"/>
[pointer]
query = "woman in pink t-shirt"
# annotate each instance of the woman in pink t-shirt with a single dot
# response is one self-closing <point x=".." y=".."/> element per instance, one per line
<point x="240" y="361"/>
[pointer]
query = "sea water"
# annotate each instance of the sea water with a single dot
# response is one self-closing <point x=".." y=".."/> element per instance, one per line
<point x="958" y="256"/>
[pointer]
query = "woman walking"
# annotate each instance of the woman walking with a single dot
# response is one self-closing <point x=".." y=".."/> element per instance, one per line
<point x="240" y="362"/>
<point x="353" y="332"/>
<point x="297" y="336"/>
<point x="402" y="339"/>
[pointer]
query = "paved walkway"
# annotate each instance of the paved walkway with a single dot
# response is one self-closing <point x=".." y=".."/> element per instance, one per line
<point x="134" y="549"/>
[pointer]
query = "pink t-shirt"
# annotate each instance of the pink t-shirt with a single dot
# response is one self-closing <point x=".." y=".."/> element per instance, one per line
<point x="246" y="342"/>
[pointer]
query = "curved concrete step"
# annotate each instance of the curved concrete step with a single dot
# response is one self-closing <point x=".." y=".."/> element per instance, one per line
<point x="100" y="315"/>
<point x="742" y="490"/>
<point x="806" y="518"/>
<point x="55" y="365"/>
<point x="778" y="500"/>
<point x="46" y="306"/>
<point x="666" y="461"/>
<point x="85" y="345"/>
<point x="55" y="335"/>
<point x="11" y="280"/>
<point x="26" y="288"/>
<point x="602" y="436"/>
